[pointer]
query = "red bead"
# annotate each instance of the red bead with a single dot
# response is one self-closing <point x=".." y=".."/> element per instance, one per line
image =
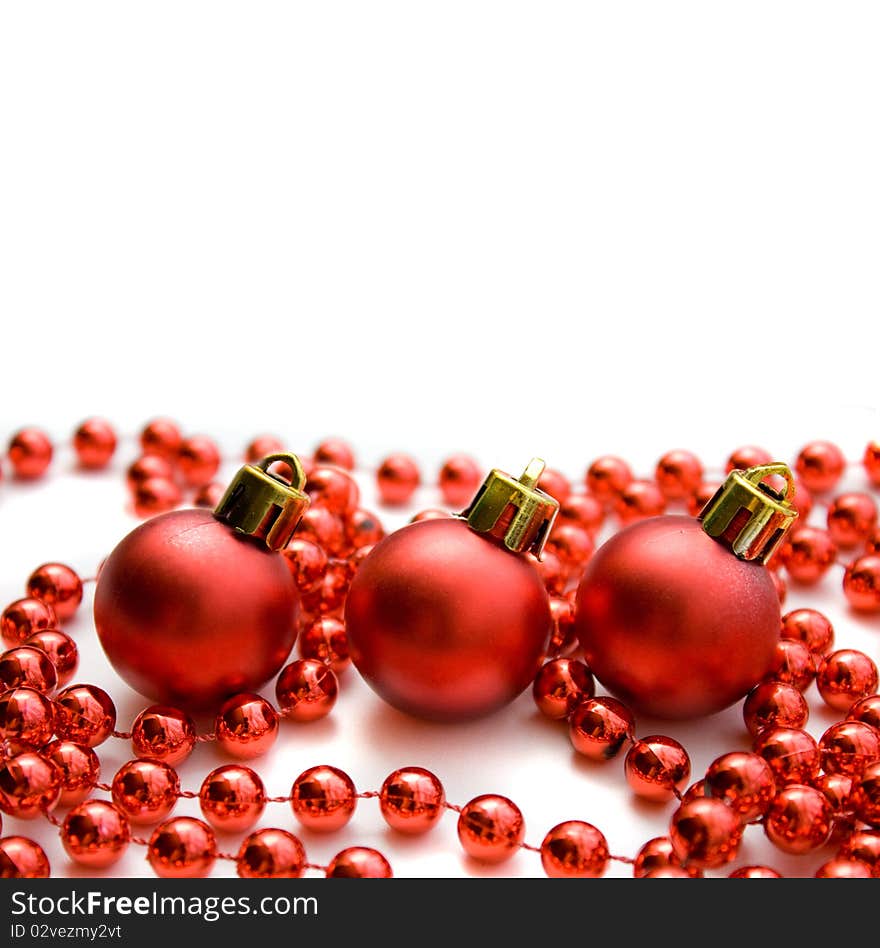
<point x="363" y="529"/>
<point x="459" y="479"/>
<point x="182" y="848"/>
<point x="85" y="714"/>
<point x="705" y="491"/>
<point x="848" y="748"/>
<point x="638" y="501"/>
<point x="326" y="529"/>
<point x="861" y="583"/>
<point x="871" y="462"/>
<point x="799" y="819"/>
<point x="333" y="488"/>
<point x="164" y="733"/>
<point x="838" y="789"/>
<point x="58" y="586"/>
<point x="554" y="483"/>
<point x="808" y="553"/>
<point x="329" y="599"/>
<point x="695" y="791"/>
<point x="359" y="862"/>
<point x="326" y="640"/>
<point x="94" y="442"/>
<point x="61" y="650"/>
<point x="145" y="790"/>
<point x="820" y="465"/>
<point x="655" y="767"/>
<point x="747" y="456"/>
<point x="563" y="638"/>
<point x="560" y="686"/>
<point x="606" y="477"/>
<point x="658" y="854"/>
<point x="209" y="495"/>
<point x="79" y="766"/>
<point x="306" y="690"/>
<point x="774" y="704"/>
<point x="792" y="754"/>
<point x="397" y="479"/>
<point x="491" y="828"/>
<point x="802" y="500"/>
<point x="262" y="446"/>
<point x="866" y="795"/>
<point x="600" y="727"/>
<point x="843" y="869"/>
<point x="754" y="872"/>
<point x="430" y="513"/>
<point x="572" y="545"/>
<point x="553" y="574"/>
<point x="678" y="474"/>
<point x="582" y="510"/>
<point x="147" y="468"/>
<point x="323" y="798"/>
<point x="867" y="710"/>
<point x="30" y="785"/>
<point x="155" y="496"/>
<point x="852" y="518"/>
<point x="412" y="800"/>
<point x="246" y="726"/>
<point x="844" y="677"/>
<point x="96" y="834"/>
<point x="794" y="664"/>
<point x="667" y="872"/>
<point x="744" y="782"/>
<point x="810" y="627"/>
<point x="161" y="437"/>
<point x="336" y="452"/>
<point x="29" y="667"/>
<point x="30" y="453"/>
<point x="22" y="858"/>
<point x="574" y="850"/>
<point x="27" y="720"/>
<point x="270" y="854"/>
<point x="232" y="798"/>
<point x="198" y="460"/>
<point x="307" y="562"/>
<point x="705" y="833"/>
<point x="23" y="618"/>
<point x="780" y="586"/>
<point x="864" y="846"/>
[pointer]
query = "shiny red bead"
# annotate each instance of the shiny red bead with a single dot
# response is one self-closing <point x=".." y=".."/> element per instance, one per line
<point x="705" y="833"/>
<point x="363" y="529"/>
<point x="574" y="850"/>
<point x="553" y="574"/>
<point x="326" y="640"/>
<point x="336" y="452"/>
<point x="572" y="545"/>
<point x="745" y="782"/>
<point x="61" y="650"/>
<point x="606" y="477"/>
<point x="161" y="437"/>
<point x="333" y="488"/>
<point x="246" y="726"/>
<point x="867" y="710"/>
<point x="866" y="795"/>
<point x="270" y="854"/>
<point x="555" y="483"/>
<point x="794" y="664"/>
<point x="79" y="766"/>
<point x="491" y="828"/>
<point x="584" y="511"/>
<point x="155" y="496"/>
<point x="639" y="500"/>
<point x="164" y="733"/>
<point x="29" y="667"/>
<point x="838" y="789"/>
<point x="262" y="446"/>
<point x="863" y="845"/>
<point x="30" y="453"/>
<point x="145" y="790"/>
<point x="147" y="468"/>
<point x="560" y="685"/>
<point x="747" y="456"/>
<point x="397" y="479"/>
<point x="701" y="496"/>
<point x="30" y="785"/>
<point x="600" y="727"/>
<point x="198" y="460"/>
<point x="459" y="478"/>
<point x="852" y="518"/>
<point x="843" y="869"/>
<point x="430" y="513"/>
<point x="306" y="690"/>
<point x="209" y="495"/>
<point x="27" y="720"/>
<point x="232" y="798"/>
<point x="754" y="872"/>
<point x="861" y="583"/>
<point x="799" y="819"/>
<point x="808" y="553"/>
<point x="780" y="586"/>
<point x="323" y="798"/>
<point x="307" y="563"/>
<point x="94" y="443"/>
<point x="774" y="704"/>
<point x="678" y="474"/>
<point x="95" y="833"/>
<point x="58" y="586"/>
<point x="848" y="747"/>
<point x="182" y="848"/>
<point x="563" y="637"/>
<point x="85" y="714"/>
<point x="325" y="528"/>
<point x="844" y="677"/>
<point x="820" y="465"/>
<point x="658" y="854"/>
<point x="22" y="618"/>
<point x="871" y="462"/>
<point x="793" y="754"/>
<point x="655" y="767"/>
<point x="359" y="862"/>
<point x="412" y="800"/>
<point x="810" y="627"/>
<point x="22" y="858"/>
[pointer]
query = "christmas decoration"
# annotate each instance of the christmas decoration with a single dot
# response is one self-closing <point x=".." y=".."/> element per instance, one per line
<point x="192" y="607"/>
<point x="679" y="617"/>
<point x="446" y="620"/>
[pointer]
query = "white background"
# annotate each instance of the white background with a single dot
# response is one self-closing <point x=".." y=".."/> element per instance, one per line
<point x="511" y="229"/>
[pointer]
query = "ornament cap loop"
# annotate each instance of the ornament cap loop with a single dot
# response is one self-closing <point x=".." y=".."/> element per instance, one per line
<point x="517" y="512"/>
<point x="262" y="504"/>
<point x="750" y="516"/>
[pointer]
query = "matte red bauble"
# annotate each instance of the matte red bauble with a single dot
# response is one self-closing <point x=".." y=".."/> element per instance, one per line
<point x="446" y="619"/>
<point x="679" y="617"/>
<point x="193" y="606"/>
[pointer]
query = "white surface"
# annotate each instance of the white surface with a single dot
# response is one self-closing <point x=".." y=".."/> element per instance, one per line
<point x="643" y="226"/>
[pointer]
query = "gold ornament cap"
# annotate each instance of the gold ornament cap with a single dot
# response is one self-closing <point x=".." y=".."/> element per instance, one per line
<point x="514" y="511"/>
<point x="262" y="504"/>
<point x="749" y="516"/>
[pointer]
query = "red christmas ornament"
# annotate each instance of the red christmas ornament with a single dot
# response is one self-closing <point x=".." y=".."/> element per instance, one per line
<point x="444" y="619"/>
<point x="679" y="616"/>
<point x="192" y="607"/>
